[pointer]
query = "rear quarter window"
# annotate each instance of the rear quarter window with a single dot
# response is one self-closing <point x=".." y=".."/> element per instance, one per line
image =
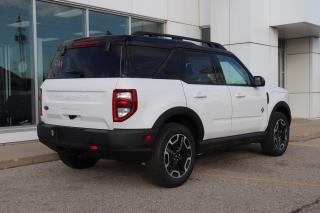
<point x="145" y="62"/>
<point x="171" y="69"/>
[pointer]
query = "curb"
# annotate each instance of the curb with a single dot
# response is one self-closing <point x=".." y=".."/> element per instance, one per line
<point x="303" y="138"/>
<point x="6" y="164"/>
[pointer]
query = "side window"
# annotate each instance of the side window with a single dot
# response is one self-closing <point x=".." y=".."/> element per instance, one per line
<point x="144" y="62"/>
<point x="199" y="69"/>
<point x="171" y="68"/>
<point x="234" y="73"/>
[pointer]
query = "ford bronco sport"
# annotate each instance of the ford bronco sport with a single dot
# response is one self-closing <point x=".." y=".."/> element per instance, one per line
<point x="156" y="98"/>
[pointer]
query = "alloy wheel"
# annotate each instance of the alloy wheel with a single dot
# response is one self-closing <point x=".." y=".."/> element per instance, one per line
<point x="280" y="134"/>
<point x="177" y="156"/>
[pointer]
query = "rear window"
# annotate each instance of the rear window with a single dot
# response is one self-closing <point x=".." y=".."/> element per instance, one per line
<point x="145" y="62"/>
<point x="87" y="62"/>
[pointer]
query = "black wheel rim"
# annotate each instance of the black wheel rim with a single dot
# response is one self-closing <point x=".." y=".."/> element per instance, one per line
<point x="177" y="156"/>
<point x="280" y="134"/>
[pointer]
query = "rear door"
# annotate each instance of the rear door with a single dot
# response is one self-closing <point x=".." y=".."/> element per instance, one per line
<point x="79" y="90"/>
<point x="249" y="103"/>
<point x="205" y="93"/>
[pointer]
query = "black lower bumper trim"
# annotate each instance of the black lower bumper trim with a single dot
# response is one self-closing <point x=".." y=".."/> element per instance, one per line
<point x="108" y="142"/>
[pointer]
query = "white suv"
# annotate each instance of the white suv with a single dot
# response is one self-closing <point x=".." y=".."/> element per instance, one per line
<point x="156" y="98"/>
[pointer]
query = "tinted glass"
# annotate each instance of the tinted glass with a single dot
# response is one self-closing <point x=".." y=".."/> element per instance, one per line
<point x="16" y="73"/>
<point x="87" y="62"/>
<point x="199" y="69"/>
<point x="55" y="24"/>
<point x="147" y="26"/>
<point x="145" y="61"/>
<point x="107" y="24"/>
<point x="171" y="68"/>
<point x="234" y="73"/>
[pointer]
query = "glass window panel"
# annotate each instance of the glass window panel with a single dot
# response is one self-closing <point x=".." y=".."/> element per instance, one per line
<point x="107" y="24"/>
<point x="145" y="61"/>
<point x="147" y="26"/>
<point x="199" y="68"/>
<point x="55" y="24"/>
<point x="87" y="62"/>
<point x="172" y="66"/>
<point x="234" y="73"/>
<point x="16" y="77"/>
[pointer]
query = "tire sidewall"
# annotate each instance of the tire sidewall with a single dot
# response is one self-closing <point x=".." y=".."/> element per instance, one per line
<point x="165" y="134"/>
<point x="269" y="143"/>
<point x="72" y="160"/>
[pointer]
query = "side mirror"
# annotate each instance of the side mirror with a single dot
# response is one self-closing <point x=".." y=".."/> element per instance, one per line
<point x="259" y="81"/>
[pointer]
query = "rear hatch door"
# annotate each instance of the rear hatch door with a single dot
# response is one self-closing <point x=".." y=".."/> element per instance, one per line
<point x="82" y="77"/>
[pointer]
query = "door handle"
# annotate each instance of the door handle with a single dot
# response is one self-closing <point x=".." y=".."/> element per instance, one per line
<point x="199" y="95"/>
<point x="240" y="95"/>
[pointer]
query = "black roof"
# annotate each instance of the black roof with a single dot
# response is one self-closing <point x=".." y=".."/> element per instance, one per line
<point x="160" y="41"/>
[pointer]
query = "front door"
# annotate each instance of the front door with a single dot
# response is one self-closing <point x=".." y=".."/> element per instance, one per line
<point x="249" y="103"/>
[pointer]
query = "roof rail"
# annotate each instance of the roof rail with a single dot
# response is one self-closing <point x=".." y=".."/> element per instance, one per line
<point x="180" y="38"/>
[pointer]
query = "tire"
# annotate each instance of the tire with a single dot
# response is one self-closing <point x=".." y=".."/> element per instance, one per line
<point x="172" y="160"/>
<point x="75" y="160"/>
<point x="277" y="138"/>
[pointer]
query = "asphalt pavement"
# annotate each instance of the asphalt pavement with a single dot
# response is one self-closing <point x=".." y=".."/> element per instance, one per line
<point x="240" y="179"/>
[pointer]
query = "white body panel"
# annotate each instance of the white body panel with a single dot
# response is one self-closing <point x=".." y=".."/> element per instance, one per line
<point x="155" y="96"/>
<point x="213" y="105"/>
<point x="249" y="109"/>
<point x="276" y="95"/>
<point x="88" y="99"/>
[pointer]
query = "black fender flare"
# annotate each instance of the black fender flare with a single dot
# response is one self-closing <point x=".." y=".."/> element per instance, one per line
<point x="282" y="105"/>
<point x="181" y="111"/>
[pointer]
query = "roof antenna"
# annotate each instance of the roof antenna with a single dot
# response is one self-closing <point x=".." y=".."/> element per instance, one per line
<point x="108" y="32"/>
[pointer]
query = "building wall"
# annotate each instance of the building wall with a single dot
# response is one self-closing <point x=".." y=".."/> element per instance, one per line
<point x="303" y="75"/>
<point x="294" y="11"/>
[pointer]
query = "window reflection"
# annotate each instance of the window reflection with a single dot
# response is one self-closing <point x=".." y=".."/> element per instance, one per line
<point x="107" y="24"/>
<point x="147" y="26"/>
<point x="16" y="79"/>
<point x="55" y="24"/>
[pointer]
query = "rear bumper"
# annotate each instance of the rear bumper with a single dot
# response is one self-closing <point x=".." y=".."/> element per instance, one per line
<point x="109" y="142"/>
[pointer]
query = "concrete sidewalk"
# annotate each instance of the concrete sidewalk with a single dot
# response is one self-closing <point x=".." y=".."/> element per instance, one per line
<point x="26" y="153"/>
<point x="304" y="130"/>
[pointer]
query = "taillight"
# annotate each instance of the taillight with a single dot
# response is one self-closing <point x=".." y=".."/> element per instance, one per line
<point x="40" y="102"/>
<point x="124" y="104"/>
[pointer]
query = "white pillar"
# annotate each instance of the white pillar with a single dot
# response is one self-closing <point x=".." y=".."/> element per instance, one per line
<point x="303" y="76"/>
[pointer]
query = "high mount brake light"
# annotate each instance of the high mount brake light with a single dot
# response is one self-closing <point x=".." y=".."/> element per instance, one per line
<point x="86" y="43"/>
<point x="124" y="104"/>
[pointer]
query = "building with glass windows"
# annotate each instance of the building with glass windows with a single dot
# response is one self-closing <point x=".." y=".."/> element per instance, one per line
<point x="275" y="40"/>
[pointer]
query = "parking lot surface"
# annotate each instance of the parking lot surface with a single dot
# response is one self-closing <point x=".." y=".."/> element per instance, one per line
<point x="240" y="179"/>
